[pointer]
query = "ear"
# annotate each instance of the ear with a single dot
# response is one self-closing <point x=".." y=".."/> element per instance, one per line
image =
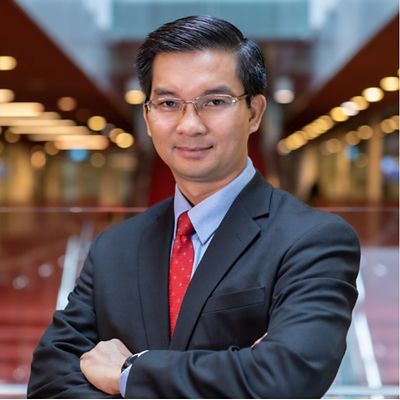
<point x="257" y="108"/>
<point x="146" y="119"/>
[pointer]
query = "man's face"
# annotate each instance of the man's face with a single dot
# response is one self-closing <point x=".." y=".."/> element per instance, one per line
<point x="201" y="148"/>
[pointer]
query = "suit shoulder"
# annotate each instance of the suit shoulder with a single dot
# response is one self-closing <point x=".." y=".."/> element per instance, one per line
<point x="135" y="224"/>
<point x="302" y="217"/>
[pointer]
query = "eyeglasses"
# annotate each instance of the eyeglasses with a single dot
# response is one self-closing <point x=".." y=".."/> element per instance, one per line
<point x="207" y="105"/>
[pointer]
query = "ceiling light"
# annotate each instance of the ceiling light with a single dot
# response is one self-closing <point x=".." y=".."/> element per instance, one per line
<point x="20" y="109"/>
<point x="373" y="94"/>
<point x="324" y="123"/>
<point x="390" y="83"/>
<point x="283" y="96"/>
<point x="352" y="138"/>
<point x="11" y="137"/>
<point x="52" y="130"/>
<point x="97" y="123"/>
<point x="38" y="159"/>
<point x="30" y="123"/>
<point x="50" y="149"/>
<point x="283" y="90"/>
<point x="24" y="121"/>
<point x="282" y="149"/>
<point x="360" y="102"/>
<point x="333" y="146"/>
<point x="365" y="132"/>
<point x="135" y="96"/>
<point x="114" y="133"/>
<point x="6" y="95"/>
<point x="124" y="140"/>
<point x="295" y="141"/>
<point x="87" y="142"/>
<point x="7" y="63"/>
<point x="388" y="125"/>
<point x="349" y="108"/>
<point x="338" y="114"/>
<point x="66" y="103"/>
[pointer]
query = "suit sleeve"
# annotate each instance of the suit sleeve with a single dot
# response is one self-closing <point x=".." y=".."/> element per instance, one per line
<point x="55" y="371"/>
<point x="312" y="302"/>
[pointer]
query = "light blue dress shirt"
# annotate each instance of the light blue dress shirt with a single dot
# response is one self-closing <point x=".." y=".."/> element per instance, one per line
<point x="206" y="218"/>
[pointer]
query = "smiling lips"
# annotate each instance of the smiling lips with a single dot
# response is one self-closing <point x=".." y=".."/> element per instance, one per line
<point x="192" y="152"/>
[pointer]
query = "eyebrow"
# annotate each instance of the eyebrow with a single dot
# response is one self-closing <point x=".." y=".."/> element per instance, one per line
<point x="162" y="92"/>
<point x="222" y="89"/>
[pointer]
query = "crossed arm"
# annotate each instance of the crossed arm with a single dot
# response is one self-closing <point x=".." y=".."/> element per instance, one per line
<point x="308" y="323"/>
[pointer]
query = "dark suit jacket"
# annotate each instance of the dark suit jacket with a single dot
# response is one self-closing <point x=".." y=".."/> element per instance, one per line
<point x="274" y="265"/>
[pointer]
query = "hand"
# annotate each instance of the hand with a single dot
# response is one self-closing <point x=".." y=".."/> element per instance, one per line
<point x="102" y="365"/>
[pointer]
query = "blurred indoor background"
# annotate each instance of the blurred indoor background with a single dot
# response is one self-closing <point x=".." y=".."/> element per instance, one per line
<point x="75" y="157"/>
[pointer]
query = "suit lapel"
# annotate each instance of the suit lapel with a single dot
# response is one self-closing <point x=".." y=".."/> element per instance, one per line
<point x="234" y="235"/>
<point x="153" y="279"/>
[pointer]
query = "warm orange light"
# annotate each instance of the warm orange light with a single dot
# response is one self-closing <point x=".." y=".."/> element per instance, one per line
<point x="390" y="83"/>
<point x="52" y="130"/>
<point x="88" y="142"/>
<point x="282" y="149"/>
<point x="20" y="109"/>
<point x="365" y="132"/>
<point x="124" y="140"/>
<point x="66" y="103"/>
<point x="135" y="97"/>
<point x="97" y="123"/>
<point x="50" y="149"/>
<point x="11" y="137"/>
<point x="7" y="63"/>
<point x="38" y="159"/>
<point x="388" y="125"/>
<point x="373" y="94"/>
<point x="333" y="146"/>
<point x="338" y="114"/>
<point x="33" y="124"/>
<point x="360" y="102"/>
<point x="352" y="138"/>
<point x="349" y="108"/>
<point x="6" y="95"/>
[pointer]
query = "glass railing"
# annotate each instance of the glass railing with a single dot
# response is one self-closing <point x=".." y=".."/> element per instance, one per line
<point x="42" y="251"/>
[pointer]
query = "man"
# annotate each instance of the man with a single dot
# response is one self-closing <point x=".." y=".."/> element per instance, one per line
<point x="230" y="289"/>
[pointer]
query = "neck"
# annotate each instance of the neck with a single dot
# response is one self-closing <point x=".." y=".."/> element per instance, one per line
<point x="196" y="192"/>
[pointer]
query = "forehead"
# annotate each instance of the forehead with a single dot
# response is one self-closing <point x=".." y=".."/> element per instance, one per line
<point x="194" y="72"/>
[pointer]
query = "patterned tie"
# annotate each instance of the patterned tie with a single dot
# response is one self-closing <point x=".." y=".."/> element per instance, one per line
<point x="180" y="269"/>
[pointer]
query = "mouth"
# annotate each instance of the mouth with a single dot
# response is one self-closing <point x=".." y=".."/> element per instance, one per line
<point x="193" y="151"/>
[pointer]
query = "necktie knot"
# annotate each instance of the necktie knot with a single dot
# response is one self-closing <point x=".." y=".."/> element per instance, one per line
<point x="185" y="226"/>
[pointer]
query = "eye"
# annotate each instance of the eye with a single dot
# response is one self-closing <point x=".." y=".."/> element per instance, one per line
<point x="216" y="101"/>
<point x="168" y="104"/>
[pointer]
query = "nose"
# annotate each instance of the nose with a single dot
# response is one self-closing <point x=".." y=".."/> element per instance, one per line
<point x="190" y="122"/>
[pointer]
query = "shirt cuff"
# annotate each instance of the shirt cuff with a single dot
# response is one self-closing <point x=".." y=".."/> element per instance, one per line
<point x="123" y="380"/>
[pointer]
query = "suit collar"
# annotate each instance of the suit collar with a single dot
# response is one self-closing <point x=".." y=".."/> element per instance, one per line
<point x="153" y="264"/>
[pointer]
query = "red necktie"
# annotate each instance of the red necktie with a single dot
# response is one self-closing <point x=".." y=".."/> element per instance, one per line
<point x="180" y="269"/>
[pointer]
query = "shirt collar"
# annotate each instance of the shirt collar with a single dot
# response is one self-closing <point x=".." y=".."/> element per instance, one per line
<point x="208" y="214"/>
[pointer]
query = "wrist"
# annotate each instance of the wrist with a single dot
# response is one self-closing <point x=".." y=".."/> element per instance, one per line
<point x="129" y="361"/>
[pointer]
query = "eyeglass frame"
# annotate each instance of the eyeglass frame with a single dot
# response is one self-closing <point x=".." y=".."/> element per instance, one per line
<point x="235" y="99"/>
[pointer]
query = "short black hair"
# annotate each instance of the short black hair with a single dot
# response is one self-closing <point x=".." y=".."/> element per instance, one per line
<point x="203" y="33"/>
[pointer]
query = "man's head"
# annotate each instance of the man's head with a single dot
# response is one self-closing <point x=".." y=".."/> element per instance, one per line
<point x="198" y="73"/>
<point x="203" y="33"/>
